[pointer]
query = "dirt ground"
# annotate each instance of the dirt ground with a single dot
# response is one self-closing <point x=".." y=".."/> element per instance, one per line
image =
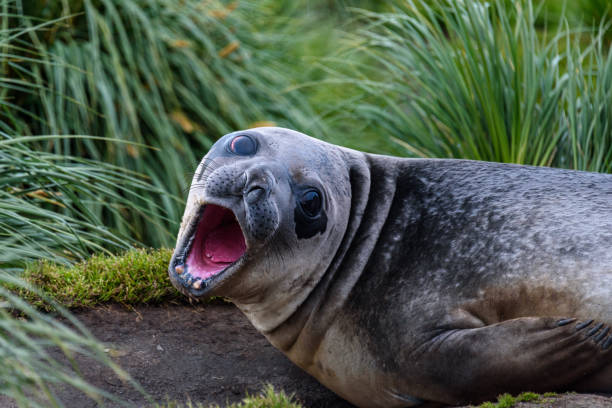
<point x="209" y="354"/>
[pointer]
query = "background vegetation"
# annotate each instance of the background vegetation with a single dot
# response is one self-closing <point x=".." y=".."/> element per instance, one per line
<point x="483" y="81"/>
<point x="524" y="82"/>
<point x="106" y="107"/>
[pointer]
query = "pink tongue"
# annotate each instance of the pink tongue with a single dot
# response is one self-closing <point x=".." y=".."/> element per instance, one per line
<point x="225" y="244"/>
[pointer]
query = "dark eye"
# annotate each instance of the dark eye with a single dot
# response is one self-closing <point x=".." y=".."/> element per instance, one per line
<point x="311" y="202"/>
<point x="242" y="145"/>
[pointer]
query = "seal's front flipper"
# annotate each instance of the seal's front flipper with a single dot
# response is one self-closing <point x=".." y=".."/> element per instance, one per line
<point x="524" y="354"/>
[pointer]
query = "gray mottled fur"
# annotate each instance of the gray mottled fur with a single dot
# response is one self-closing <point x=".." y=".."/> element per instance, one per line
<point x="436" y="280"/>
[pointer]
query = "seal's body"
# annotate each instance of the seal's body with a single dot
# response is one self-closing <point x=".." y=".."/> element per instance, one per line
<point x="398" y="281"/>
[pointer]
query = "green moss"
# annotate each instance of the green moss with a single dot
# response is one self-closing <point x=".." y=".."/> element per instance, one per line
<point x="267" y="398"/>
<point x="529" y="397"/>
<point x="508" y="401"/>
<point x="134" y="277"/>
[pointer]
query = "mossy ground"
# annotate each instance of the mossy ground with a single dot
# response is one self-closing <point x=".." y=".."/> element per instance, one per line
<point x="508" y="401"/>
<point x="138" y="276"/>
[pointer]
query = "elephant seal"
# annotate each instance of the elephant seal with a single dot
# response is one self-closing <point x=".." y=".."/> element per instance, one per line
<point x="400" y="281"/>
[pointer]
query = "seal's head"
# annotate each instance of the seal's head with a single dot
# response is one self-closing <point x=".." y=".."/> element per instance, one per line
<point x="265" y="214"/>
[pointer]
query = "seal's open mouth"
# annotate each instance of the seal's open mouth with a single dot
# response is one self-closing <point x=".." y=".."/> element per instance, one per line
<point x="217" y="243"/>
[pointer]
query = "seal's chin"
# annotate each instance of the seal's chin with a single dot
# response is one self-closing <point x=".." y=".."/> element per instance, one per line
<point x="218" y="242"/>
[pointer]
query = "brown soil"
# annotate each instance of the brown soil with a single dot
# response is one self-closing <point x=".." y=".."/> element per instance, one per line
<point x="209" y="354"/>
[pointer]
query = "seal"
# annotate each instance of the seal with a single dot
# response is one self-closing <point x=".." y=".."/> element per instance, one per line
<point x="399" y="281"/>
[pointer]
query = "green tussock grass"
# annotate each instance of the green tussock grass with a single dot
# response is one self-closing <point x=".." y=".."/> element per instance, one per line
<point x="508" y="401"/>
<point x="54" y="206"/>
<point x="484" y="81"/>
<point x="267" y="398"/>
<point x="138" y="276"/>
<point x="51" y="207"/>
<point x="172" y="76"/>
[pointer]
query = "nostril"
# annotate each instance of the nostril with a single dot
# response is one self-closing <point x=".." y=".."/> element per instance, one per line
<point x="258" y="184"/>
<point x="254" y="188"/>
<point x="255" y="193"/>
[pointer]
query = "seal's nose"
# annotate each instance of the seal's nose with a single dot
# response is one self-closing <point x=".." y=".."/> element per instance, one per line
<point x="255" y="193"/>
<point x="259" y="183"/>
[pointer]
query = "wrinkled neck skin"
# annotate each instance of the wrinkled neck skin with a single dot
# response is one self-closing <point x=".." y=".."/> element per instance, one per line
<point x="295" y="314"/>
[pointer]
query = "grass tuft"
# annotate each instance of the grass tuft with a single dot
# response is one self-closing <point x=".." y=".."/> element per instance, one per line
<point x="528" y="396"/>
<point x="267" y="398"/>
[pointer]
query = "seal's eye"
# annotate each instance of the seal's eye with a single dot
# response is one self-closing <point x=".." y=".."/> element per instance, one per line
<point x="310" y="201"/>
<point x="242" y="145"/>
<point x="309" y="214"/>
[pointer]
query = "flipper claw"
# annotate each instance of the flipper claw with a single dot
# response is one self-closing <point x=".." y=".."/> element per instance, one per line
<point x="601" y="335"/>
<point x="582" y="325"/>
<point x="564" y="322"/>
<point x="594" y="330"/>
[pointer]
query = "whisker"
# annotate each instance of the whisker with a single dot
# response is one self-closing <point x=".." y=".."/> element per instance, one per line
<point x="208" y="167"/>
<point x="207" y="163"/>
